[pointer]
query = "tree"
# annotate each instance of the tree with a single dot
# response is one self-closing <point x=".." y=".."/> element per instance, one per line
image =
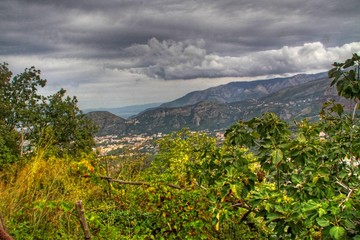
<point x="54" y="120"/>
<point x="22" y="100"/>
<point x="64" y="125"/>
<point x="9" y="146"/>
<point x="346" y="77"/>
<point x="9" y="138"/>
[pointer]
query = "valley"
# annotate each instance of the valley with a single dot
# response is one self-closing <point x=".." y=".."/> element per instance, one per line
<point x="217" y="108"/>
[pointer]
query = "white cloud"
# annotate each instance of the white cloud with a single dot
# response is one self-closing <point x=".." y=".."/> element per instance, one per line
<point x="138" y="77"/>
<point x="171" y="60"/>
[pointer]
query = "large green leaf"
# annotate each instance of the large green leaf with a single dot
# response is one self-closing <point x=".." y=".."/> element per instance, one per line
<point x="337" y="232"/>
<point x="321" y="212"/>
<point x="274" y="216"/>
<point x="322" y="221"/>
<point x="296" y="179"/>
<point x="310" y="206"/>
<point x="276" y="156"/>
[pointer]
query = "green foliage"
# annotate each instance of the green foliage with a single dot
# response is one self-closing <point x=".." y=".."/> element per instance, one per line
<point x="316" y="175"/>
<point x="23" y="98"/>
<point x="178" y="154"/>
<point x="214" y="180"/>
<point x="71" y="131"/>
<point x="346" y="77"/>
<point x="267" y="180"/>
<point x="55" y="119"/>
<point x="9" y="149"/>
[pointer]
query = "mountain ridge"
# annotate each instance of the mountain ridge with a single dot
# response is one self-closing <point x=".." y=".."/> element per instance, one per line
<point x="243" y="90"/>
<point x="299" y="96"/>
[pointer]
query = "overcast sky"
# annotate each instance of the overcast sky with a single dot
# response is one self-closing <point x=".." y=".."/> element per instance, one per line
<point x="114" y="53"/>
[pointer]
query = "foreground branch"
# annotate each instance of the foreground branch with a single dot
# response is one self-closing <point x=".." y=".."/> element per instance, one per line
<point x="350" y="191"/>
<point x="3" y="234"/>
<point x="110" y="179"/>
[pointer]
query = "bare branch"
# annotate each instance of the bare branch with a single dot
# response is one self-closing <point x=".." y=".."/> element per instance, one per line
<point x="3" y="234"/>
<point x="110" y="179"/>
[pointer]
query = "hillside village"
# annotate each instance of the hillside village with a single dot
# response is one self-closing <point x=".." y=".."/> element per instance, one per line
<point x="115" y="145"/>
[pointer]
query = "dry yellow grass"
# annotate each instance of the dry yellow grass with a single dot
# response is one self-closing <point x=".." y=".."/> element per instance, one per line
<point x="44" y="191"/>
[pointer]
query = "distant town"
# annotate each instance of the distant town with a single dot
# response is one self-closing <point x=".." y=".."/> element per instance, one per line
<point x="144" y="143"/>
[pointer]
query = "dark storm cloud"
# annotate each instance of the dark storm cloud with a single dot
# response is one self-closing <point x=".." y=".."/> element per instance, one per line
<point x="173" y="39"/>
<point x="230" y="21"/>
<point x="241" y="26"/>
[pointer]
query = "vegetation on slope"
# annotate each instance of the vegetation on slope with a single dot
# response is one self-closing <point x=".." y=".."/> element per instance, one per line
<point x="292" y="98"/>
<point x="267" y="180"/>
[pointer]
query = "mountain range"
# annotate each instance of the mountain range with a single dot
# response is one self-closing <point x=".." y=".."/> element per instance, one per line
<point x="299" y="96"/>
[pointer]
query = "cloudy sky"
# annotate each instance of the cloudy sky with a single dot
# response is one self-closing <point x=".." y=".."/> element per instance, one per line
<point x="114" y="53"/>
